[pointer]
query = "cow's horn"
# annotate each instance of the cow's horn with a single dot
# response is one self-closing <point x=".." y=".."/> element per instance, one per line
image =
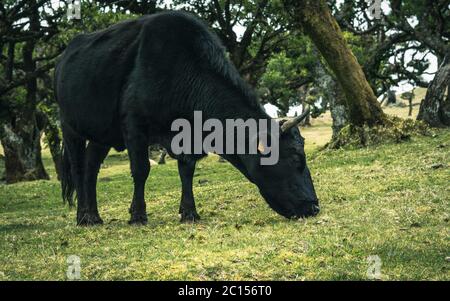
<point x="294" y="121"/>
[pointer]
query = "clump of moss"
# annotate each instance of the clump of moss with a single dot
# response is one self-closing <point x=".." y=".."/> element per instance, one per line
<point x="394" y="130"/>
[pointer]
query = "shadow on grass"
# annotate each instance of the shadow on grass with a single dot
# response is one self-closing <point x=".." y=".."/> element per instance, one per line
<point x="14" y="227"/>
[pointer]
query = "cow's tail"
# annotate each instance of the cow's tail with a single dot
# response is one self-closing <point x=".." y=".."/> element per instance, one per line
<point x="67" y="183"/>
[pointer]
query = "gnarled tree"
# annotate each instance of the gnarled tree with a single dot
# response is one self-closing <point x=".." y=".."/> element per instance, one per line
<point x="435" y="108"/>
<point x="316" y="20"/>
<point x="19" y="134"/>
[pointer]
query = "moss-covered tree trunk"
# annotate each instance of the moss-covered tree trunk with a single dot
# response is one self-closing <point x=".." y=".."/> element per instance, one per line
<point x="315" y="18"/>
<point x="435" y="108"/>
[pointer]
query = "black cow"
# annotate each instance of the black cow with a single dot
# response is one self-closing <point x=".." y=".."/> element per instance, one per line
<point x="123" y="86"/>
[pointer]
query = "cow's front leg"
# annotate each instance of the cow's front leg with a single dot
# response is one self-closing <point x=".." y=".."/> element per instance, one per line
<point x="187" y="206"/>
<point x="140" y="168"/>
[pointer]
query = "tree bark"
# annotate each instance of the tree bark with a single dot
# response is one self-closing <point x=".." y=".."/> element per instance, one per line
<point x="333" y="96"/>
<point x="435" y="108"/>
<point x="337" y="109"/>
<point x="22" y="146"/>
<point x="315" y="17"/>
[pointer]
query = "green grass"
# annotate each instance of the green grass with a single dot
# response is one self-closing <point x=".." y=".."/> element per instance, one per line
<point x="384" y="201"/>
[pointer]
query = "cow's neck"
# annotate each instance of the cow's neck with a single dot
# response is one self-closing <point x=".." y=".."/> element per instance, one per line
<point x="223" y="103"/>
<point x="232" y="105"/>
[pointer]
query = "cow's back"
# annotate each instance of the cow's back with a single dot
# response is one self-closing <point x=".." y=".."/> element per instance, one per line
<point x="154" y="67"/>
<point x="90" y="77"/>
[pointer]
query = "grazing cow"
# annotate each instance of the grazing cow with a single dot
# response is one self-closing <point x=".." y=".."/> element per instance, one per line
<point x="122" y="88"/>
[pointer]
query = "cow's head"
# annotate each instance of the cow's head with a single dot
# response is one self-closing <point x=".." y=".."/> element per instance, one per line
<point x="287" y="185"/>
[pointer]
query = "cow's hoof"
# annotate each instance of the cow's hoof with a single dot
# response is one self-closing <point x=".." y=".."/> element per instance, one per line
<point x="89" y="219"/>
<point x="189" y="217"/>
<point x="138" y="219"/>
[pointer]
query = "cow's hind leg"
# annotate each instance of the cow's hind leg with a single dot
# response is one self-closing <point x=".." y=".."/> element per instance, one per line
<point x="137" y="146"/>
<point x="95" y="154"/>
<point x="76" y="149"/>
<point x="187" y="211"/>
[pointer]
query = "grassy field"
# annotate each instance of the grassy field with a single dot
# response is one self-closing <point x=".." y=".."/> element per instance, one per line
<point x="391" y="201"/>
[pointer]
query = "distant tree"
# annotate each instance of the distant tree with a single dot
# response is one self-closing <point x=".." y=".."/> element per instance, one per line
<point x="409" y="96"/>
<point x="282" y="82"/>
